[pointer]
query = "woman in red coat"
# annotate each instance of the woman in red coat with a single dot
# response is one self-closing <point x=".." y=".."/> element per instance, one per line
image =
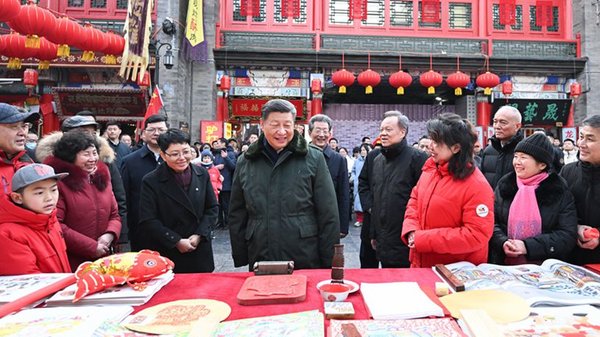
<point x="450" y="214"/>
<point x="87" y="209"/>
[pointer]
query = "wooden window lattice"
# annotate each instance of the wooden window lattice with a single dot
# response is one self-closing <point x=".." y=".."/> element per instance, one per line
<point x="401" y="13"/>
<point x="461" y="15"/>
<point x="518" y="26"/>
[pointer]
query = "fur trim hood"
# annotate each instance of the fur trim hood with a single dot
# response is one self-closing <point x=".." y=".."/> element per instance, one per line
<point x="549" y="192"/>
<point x="298" y="145"/>
<point x="78" y="178"/>
<point x="45" y="148"/>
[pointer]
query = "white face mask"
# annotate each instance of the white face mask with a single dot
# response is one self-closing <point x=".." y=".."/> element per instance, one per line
<point x="30" y="146"/>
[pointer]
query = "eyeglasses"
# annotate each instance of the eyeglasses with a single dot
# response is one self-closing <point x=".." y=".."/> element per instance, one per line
<point x="153" y="130"/>
<point x="19" y="126"/>
<point x="321" y="131"/>
<point x="184" y="153"/>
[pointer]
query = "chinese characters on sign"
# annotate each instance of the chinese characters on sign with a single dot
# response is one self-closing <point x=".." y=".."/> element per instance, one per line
<point x="553" y="112"/>
<point x="105" y="103"/>
<point x="242" y="107"/>
<point x="210" y="131"/>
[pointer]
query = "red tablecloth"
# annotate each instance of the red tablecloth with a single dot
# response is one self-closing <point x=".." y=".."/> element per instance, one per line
<point x="225" y="287"/>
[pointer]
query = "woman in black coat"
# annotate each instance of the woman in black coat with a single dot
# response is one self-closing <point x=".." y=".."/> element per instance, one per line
<point x="555" y="236"/>
<point x="178" y="207"/>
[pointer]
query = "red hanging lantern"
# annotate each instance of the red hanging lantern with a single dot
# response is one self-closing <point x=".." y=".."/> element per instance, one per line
<point x="400" y="80"/>
<point x="507" y="88"/>
<point x="144" y="81"/>
<point x="315" y="86"/>
<point x="94" y="41"/>
<point x="34" y="22"/>
<point x="30" y="78"/>
<point x="14" y="48"/>
<point x="66" y="32"/>
<point x="507" y="12"/>
<point x="290" y="8"/>
<point x="487" y="81"/>
<point x="544" y="16"/>
<point x="457" y="81"/>
<point x="225" y="83"/>
<point x="250" y="8"/>
<point x="357" y="10"/>
<point x="369" y="78"/>
<point x="430" y="11"/>
<point x="575" y="89"/>
<point x="114" y="47"/>
<point x="46" y="53"/>
<point x="431" y="79"/>
<point x="342" y="78"/>
<point x="10" y="9"/>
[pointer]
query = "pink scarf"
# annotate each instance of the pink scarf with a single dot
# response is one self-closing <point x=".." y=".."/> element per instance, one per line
<point x="524" y="219"/>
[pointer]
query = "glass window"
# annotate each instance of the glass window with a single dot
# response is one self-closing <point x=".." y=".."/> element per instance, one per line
<point x="339" y="12"/>
<point x="280" y="18"/>
<point x="121" y="4"/>
<point x="375" y="13"/>
<point x="98" y="3"/>
<point x="518" y="18"/>
<point x="401" y="13"/>
<point x="75" y="3"/>
<point x="533" y="22"/>
<point x="460" y="15"/>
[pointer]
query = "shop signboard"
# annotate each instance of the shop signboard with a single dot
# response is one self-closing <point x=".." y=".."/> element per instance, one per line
<point x="552" y="112"/>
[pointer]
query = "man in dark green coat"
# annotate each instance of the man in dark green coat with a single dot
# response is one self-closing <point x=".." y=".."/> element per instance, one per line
<point x="283" y="204"/>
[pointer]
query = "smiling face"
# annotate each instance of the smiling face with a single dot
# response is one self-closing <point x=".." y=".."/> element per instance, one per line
<point x="177" y="156"/>
<point x="441" y="153"/>
<point x="278" y="129"/>
<point x="87" y="159"/>
<point x="391" y="132"/>
<point x="40" y="197"/>
<point x="526" y="166"/>
<point x="589" y="145"/>
<point x="320" y="134"/>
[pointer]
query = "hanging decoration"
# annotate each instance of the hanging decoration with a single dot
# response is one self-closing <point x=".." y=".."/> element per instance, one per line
<point x="575" y="89"/>
<point x="30" y="78"/>
<point x="114" y="47"/>
<point x="458" y="80"/>
<point x="144" y="80"/>
<point x="66" y="33"/>
<point x="46" y="53"/>
<point x="507" y="12"/>
<point x="94" y="41"/>
<point x="138" y="30"/>
<point x="290" y="8"/>
<point x="430" y="11"/>
<point x="487" y="80"/>
<point x="14" y="48"/>
<point x="34" y="22"/>
<point x="357" y="10"/>
<point x="431" y="79"/>
<point x="225" y="84"/>
<point x="10" y="9"/>
<point x="315" y="86"/>
<point x="400" y="79"/>
<point x="250" y="8"/>
<point x="369" y="78"/>
<point x="507" y="88"/>
<point x="342" y="78"/>
<point x="544" y="15"/>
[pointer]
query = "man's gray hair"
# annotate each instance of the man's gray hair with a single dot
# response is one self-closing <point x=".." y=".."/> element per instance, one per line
<point x="592" y="121"/>
<point x="512" y="110"/>
<point x="402" y="119"/>
<point x="319" y="118"/>
<point x="277" y="105"/>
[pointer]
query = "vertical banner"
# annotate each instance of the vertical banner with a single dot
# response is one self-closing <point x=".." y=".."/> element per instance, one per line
<point x="508" y="10"/>
<point x="227" y="130"/>
<point x="137" y="29"/>
<point x="479" y="130"/>
<point x="194" y="44"/>
<point x="569" y="133"/>
<point x="210" y="131"/>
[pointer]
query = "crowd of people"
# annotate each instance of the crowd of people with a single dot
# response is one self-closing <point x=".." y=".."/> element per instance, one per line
<point x="290" y="193"/>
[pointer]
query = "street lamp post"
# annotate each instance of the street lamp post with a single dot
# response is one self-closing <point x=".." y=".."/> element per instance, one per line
<point x="168" y="58"/>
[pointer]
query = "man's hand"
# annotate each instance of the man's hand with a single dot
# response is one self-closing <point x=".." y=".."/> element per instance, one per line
<point x="194" y="240"/>
<point x="184" y="246"/>
<point x="410" y="238"/>
<point x="374" y="244"/>
<point x="584" y="242"/>
<point x="220" y="166"/>
<point x="223" y="153"/>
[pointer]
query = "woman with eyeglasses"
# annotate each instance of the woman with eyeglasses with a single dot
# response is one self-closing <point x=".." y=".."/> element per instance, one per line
<point x="87" y="209"/>
<point x="178" y="207"/>
<point x="450" y="214"/>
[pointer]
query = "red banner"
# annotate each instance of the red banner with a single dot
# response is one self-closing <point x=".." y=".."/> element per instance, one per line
<point x="544" y="16"/>
<point x="290" y="8"/>
<point x="430" y="11"/>
<point x="210" y="131"/>
<point x="251" y="107"/>
<point x="357" y="9"/>
<point x="250" y="8"/>
<point x="507" y="12"/>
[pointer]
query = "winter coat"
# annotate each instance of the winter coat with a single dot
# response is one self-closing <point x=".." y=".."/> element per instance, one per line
<point x="8" y="167"/>
<point x="366" y="194"/>
<point x="356" y="169"/>
<point x="396" y="171"/>
<point x="453" y="219"/>
<point x="120" y="149"/>
<point x="559" y="220"/>
<point x="338" y="168"/>
<point x="170" y="214"/>
<point x="283" y="211"/>
<point x="46" y="146"/>
<point x="133" y="168"/>
<point x="87" y="209"/>
<point x="229" y="166"/>
<point x="496" y="160"/>
<point x="31" y="243"/>
<point x="583" y="180"/>
<point x="215" y="180"/>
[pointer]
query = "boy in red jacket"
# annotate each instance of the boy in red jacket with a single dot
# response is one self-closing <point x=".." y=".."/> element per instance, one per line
<point x="31" y="240"/>
<point x="215" y="176"/>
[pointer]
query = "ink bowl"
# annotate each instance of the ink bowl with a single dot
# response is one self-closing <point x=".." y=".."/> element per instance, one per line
<point x="334" y="292"/>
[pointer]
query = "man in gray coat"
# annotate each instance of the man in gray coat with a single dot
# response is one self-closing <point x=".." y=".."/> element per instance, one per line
<point x="282" y="197"/>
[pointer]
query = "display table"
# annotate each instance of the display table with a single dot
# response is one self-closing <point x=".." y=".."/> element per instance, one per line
<point x="225" y="287"/>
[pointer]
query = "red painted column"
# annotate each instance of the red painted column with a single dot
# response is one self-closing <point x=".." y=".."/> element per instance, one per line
<point x="484" y="112"/>
<point x="571" y="118"/>
<point x="316" y="105"/>
<point x="221" y="107"/>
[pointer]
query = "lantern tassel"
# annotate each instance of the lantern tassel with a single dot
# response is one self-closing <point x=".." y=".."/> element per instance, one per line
<point x="458" y="91"/>
<point x="400" y="91"/>
<point x="32" y="41"/>
<point x="14" y="63"/>
<point x="110" y="59"/>
<point x="44" y="65"/>
<point x="342" y="89"/>
<point x="369" y="90"/>
<point x="431" y="90"/>
<point x="63" y="50"/>
<point x="487" y="91"/>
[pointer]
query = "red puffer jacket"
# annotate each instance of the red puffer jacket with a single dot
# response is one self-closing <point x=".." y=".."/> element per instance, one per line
<point x="453" y="219"/>
<point x="86" y="209"/>
<point x="8" y="167"/>
<point x="30" y="243"/>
